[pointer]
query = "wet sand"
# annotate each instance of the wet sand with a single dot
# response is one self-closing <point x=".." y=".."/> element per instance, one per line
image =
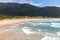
<point x="14" y="21"/>
<point x="7" y="22"/>
<point x="17" y="34"/>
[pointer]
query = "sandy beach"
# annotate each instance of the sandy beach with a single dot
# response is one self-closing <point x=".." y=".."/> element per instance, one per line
<point x="14" y="21"/>
<point x="17" y="34"/>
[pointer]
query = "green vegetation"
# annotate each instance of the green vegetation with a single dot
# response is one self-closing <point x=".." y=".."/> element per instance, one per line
<point x="19" y="17"/>
<point x="16" y="10"/>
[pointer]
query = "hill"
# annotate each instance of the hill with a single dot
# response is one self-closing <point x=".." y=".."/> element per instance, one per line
<point x="16" y="9"/>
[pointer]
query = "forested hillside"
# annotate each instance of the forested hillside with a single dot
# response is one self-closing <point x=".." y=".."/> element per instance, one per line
<point x="16" y="9"/>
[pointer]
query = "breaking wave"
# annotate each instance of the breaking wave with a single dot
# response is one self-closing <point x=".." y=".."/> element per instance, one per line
<point x="42" y="27"/>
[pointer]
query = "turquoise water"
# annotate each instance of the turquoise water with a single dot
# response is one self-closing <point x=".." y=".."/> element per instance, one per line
<point x="50" y="29"/>
<point x="44" y="25"/>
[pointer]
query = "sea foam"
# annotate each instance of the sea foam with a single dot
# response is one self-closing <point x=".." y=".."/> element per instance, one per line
<point x="57" y="25"/>
<point x="50" y="25"/>
<point x="27" y="31"/>
<point x="50" y="38"/>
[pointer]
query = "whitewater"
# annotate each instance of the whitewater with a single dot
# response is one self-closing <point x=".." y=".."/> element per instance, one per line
<point x="49" y="28"/>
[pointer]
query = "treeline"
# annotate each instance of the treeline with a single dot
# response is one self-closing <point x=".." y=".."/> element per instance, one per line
<point x="11" y="10"/>
<point x="21" y="17"/>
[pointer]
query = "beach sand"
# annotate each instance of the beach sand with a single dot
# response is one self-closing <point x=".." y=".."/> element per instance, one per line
<point x="14" y="21"/>
<point x="17" y="34"/>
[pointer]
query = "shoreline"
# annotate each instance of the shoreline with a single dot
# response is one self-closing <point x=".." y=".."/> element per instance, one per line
<point x="6" y="22"/>
<point x="17" y="34"/>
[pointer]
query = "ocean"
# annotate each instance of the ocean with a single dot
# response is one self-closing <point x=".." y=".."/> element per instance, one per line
<point x="33" y="30"/>
<point x="49" y="28"/>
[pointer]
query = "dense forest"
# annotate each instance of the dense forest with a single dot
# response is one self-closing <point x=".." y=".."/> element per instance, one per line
<point x="17" y="9"/>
